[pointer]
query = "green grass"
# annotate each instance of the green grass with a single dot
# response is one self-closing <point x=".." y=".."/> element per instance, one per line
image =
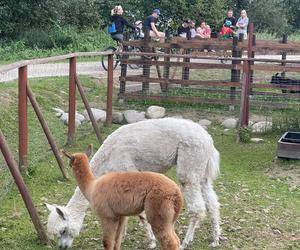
<point x="258" y="211"/>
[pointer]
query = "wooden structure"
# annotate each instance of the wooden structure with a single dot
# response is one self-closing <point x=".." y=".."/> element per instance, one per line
<point x="233" y="92"/>
<point x="288" y="145"/>
<point x="26" y="92"/>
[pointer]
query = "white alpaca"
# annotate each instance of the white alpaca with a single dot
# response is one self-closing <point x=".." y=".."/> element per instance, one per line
<point x="152" y="145"/>
<point x="115" y="195"/>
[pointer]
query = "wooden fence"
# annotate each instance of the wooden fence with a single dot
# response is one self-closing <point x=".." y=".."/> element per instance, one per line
<point x="235" y="92"/>
<point x="24" y="92"/>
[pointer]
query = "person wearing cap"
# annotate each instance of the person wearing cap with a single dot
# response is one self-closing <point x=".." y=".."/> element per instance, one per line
<point x="149" y="25"/>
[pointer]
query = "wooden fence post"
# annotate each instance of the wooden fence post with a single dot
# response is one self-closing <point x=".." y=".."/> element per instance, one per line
<point x="110" y="82"/>
<point x="13" y="168"/>
<point x="251" y="53"/>
<point x="72" y="101"/>
<point x="146" y="67"/>
<point x="244" y="108"/>
<point x="46" y="130"/>
<point x="283" y="55"/>
<point x="186" y="70"/>
<point x="123" y="70"/>
<point x="235" y="73"/>
<point x="23" y="126"/>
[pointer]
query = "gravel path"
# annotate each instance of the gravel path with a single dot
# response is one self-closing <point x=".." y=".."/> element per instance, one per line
<point x="85" y="68"/>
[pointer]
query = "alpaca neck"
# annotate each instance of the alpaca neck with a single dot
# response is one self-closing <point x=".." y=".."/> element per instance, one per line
<point x="85" y="179"/>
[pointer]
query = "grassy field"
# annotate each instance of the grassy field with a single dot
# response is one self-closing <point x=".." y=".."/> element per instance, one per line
<point x="259" y="195"/>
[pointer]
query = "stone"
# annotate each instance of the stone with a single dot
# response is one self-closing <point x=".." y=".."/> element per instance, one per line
<point x="118" y="118"/>
<point x="99" y="115"/>
<point x="155" y="112"/>
<point x="229" y="123"/>
<point x="79" y="117"/>
<point x="261" y="127"/>
<point x="58" y="111"/>
<point x="256" y="140"/>
<point x="132" y="116"/>
<point x="204" y="122"/>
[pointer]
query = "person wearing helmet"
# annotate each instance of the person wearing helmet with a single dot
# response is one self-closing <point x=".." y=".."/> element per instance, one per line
<point x="230" y="17"/>
<point x="149" y="25"/>
<point x="139" y="29"/>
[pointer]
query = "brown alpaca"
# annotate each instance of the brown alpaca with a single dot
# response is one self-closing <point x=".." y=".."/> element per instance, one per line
<point x="116" y="195"/>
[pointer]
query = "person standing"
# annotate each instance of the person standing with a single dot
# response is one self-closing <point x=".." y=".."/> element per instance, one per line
<point x="120" y="23"/>
<point x="242" y="24"/>
<point x="230" y="17"/>
<point x="149" y="25"/>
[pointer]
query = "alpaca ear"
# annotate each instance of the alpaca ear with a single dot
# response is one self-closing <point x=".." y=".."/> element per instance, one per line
<point x="50" y="207"/>
<point x="60" y="213"/>
<point x="71" y="157"/>
<point x="89" y="150"/>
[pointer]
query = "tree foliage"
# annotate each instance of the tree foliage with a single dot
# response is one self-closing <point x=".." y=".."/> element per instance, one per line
<point x="20" y="17"/>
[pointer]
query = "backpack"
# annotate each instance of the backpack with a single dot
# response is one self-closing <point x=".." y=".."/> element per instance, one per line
<point x="112" y="28"/>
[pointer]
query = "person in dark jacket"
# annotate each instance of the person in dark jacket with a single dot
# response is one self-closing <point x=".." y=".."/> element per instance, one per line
<point x="230" y="17"/>
<point x="120" y="23"/>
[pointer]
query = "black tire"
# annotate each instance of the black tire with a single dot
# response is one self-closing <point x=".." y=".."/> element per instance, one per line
<point x="135" y="66"/>
<point x="104" y="58"/>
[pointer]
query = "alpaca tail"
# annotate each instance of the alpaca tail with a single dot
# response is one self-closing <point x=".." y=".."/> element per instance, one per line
<point x="213" y="169"/>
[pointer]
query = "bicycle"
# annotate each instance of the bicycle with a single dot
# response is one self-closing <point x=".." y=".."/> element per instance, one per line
<point x="117" y="49"/>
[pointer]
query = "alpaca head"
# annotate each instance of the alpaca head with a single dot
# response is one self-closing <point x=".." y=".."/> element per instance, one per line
<point x="59" y="228"/>
<point x="78" y="159"/>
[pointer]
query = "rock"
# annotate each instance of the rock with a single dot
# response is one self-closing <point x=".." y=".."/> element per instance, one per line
<point x="204" y="122"/>
<point x="77" y="122"/>
<point x="256" y="140"/>
<point x="132" y="116"/>
<point x="58" y="111"/>
<point x="154" y="112"/>
<point x="261" y="127"/>
<point x="79" y="117"/>
<point x="229" y="123"/>
<point x="99" y="115"/>
<point x="64" y="116"/>
<point x="204" y="127"/>
<point x="177" y="116"/>
<point x="118" y="118"/>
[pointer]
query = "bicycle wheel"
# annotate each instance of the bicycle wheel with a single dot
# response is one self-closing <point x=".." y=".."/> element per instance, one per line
<point x="135" y="57"/>
<point x="104" y="61"/>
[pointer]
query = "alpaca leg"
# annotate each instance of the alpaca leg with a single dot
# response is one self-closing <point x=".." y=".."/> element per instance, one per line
<point x="148" y="230"/>
<point x="166" y="235"/>
<point x="196" y="209"/>
<point x="120" y="231"/>
<point x="110" y="227"/>
<point x="162" y="217"/>
<point x="213" y="208"/>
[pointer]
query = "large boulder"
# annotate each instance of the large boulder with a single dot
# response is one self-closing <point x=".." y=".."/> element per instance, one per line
<point x="261" y="127"/>
<point x="230" y="123"/>
<point x="99" y="115"/>
<point x="132" y="116"/>
<point x="155" y="112"/>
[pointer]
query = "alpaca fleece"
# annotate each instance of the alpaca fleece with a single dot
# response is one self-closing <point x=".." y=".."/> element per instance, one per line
<point x="116" y="195"/>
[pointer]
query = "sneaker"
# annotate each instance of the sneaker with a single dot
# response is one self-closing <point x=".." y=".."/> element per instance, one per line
<point x="212" y="50"/>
